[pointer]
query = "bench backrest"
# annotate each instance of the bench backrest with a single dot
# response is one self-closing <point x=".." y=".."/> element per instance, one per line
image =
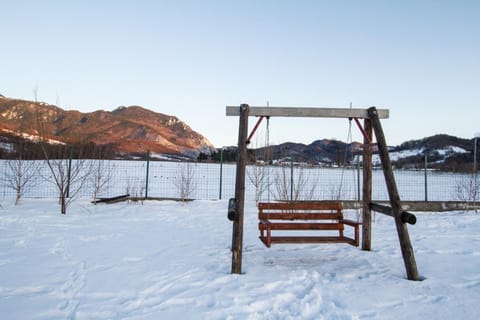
<point x="300" y="210"/>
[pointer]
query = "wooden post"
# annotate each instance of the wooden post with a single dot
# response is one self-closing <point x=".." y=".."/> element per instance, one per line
<point x="237" y="232"/>
<point x="367" y="187"/>
<point x="405" y="244"/>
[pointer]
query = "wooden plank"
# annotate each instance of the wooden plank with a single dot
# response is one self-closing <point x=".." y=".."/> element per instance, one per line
<point x="237" y="229"/>
<point x="112" y="199"/>
<point x="429" y="206"/>
<point x="439" y="206"/>
<point x="402" y="230"/>
<point x="304" y="226"/>
<point x="307" y="112"/>
<point x="298" y="216"/>
<point x="301" y="205"/>
<point x="311" y="239"/>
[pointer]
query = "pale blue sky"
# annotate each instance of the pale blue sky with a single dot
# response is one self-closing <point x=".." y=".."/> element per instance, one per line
<point x="420" y="59"/>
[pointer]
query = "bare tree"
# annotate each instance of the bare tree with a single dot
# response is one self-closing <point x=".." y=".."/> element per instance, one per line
<point x="69" y="176"/>
<point x="185" y="181"/>
<point x="20" y="175"/>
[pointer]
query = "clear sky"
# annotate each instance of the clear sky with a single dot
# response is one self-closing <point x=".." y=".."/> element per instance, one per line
<point x="420" y="59"/>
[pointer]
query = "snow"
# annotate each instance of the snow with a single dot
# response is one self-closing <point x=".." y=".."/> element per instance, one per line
<point x="398" y="155"/>
<point x="34" y="138"/>
<point x="171" y="260"/>
<point x="8" y="147"/>
<point x="451" y="150"/>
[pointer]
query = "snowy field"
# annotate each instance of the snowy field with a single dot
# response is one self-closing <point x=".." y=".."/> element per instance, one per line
<point x="169" y="260"/>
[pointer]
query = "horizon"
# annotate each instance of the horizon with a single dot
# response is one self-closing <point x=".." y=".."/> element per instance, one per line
<point x="189" y="59"/>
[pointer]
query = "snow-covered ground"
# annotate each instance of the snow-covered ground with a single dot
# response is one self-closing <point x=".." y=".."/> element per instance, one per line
<point x="169" y="260"/>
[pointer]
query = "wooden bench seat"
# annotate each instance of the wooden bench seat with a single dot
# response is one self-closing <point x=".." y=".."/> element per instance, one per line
<point x="304" y="216"/>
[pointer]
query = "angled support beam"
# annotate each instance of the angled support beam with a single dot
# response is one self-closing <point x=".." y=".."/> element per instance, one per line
<point x="366" y="136"/>
<point x="250" y="136"/>
<point x="402" y="230"/>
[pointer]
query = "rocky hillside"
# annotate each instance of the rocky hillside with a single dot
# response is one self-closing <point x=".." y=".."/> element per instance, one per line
<point x="129" y="130"/>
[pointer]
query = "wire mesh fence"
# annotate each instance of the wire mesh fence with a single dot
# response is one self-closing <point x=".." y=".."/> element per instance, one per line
<point x="202" y="181"/>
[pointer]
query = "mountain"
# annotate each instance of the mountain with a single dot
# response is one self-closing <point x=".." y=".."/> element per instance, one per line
<point x="325" y="151"/>
<point x="443" y="152"/>
<point x="128" y="130"/>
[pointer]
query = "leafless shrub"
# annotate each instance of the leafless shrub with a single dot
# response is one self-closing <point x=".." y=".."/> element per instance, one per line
<point x="185" y="181"/>
<point x="294" y="187"/>
<point x="468" y="188"/>
<point x="102" y="171"/>
<point x="258" y="176"/>
<point x="135" y="187"/>
<point x="338" y="192"/>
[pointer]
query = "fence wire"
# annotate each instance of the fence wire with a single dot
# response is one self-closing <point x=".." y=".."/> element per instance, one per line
<point x="161" y="179"/>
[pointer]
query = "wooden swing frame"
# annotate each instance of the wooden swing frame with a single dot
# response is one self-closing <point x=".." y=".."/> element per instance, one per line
<point x="371" y="117"/>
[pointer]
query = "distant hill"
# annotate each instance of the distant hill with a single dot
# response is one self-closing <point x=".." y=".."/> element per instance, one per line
<point x="444" y="152"/>
<point x="128" y="130"/>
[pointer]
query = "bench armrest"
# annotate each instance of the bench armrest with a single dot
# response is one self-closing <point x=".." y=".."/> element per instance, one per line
<point x="355" y="225"/>
<point x="265" y="222"/>
<point x="350" y="222"/>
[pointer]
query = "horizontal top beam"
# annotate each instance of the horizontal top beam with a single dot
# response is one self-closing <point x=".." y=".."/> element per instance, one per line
<point x="307" y="112"/>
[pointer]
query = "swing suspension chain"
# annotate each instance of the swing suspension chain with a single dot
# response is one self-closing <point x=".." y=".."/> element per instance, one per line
<point x="349" y="138"/>
<point x="267" y="156"/>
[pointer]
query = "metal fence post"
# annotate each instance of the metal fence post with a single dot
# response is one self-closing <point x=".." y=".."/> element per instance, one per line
<point x="147" y="174"/>
<point x="69" y="172"/>
<point x="358" y="178"/>
<point x="291" y="179"/>
<point x="426" y="182"/>
<point x="221" y="175"/>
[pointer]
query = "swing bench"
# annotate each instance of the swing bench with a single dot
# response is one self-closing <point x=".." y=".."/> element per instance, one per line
<point x="304" y="216"/>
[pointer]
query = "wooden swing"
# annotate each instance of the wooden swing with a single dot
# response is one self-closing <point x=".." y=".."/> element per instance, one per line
<point x="371" y="118"/>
